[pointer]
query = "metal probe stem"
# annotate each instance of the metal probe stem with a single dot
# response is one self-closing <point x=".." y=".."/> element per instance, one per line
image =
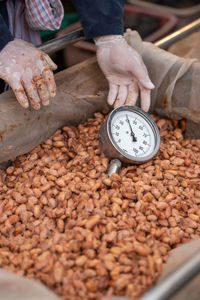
<point x="114" y="167"/>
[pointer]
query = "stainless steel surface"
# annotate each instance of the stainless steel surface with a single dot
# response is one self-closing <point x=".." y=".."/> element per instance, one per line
<point x="114" y="167"/>
<point x="60" y="42"/>
<point x="172" y="283"/>
<point x="175" y="280"/>
<point x="178" y="35"/>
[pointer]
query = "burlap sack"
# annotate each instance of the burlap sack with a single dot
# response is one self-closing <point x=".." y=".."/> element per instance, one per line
<point x="176" y="80"/>
<point x="14" y="287"/>
<point x="187" y="47"/>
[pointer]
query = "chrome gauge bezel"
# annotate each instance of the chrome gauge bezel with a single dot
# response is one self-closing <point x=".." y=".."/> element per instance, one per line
<point x="110" y="147"/>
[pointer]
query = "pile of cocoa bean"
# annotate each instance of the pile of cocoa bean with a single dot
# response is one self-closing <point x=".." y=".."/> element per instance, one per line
<point x="85" y="235"/>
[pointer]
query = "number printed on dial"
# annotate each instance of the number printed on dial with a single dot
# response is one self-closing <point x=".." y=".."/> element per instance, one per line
<point x="132" y="134"/>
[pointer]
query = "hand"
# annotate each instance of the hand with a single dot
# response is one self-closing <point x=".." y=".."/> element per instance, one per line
<point x="124" y="70"/>
<point x="29" y="73"/>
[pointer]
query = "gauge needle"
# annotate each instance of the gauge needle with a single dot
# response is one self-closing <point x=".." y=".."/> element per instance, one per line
<point x="132" y="133"/>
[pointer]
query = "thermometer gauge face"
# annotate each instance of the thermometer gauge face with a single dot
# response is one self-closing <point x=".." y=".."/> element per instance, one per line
<point x="130" y="134"/>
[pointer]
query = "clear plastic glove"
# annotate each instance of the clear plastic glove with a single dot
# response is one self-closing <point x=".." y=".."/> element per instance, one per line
<point x="124" y="70"/>
<point x="28" y="71"/>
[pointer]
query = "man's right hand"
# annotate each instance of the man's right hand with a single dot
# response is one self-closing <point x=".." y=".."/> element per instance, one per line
<point x="125" y="71"/>
<point x="29" y="72"/>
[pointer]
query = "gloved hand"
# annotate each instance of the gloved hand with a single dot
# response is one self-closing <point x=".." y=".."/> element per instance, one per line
<point x="124" y="70"/>
<point x="28" y="71"/>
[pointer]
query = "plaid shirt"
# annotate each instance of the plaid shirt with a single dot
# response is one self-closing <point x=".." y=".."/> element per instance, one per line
<point x="27" y="17"/>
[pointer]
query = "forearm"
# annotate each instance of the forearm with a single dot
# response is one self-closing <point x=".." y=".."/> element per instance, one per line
<point x="101" y="17"/>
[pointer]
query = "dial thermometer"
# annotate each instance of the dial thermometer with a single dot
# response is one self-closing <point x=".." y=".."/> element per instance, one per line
<point x="130" y="135"/>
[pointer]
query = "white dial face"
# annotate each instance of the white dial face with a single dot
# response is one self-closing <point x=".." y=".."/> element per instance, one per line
<point x="132" y="134"/>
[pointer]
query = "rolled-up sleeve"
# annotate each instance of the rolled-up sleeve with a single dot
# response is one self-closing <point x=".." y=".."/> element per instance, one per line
<point x="100" y="17"/>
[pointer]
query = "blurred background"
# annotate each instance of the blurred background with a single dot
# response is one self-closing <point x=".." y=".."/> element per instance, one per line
<point x="153" y="19"/>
